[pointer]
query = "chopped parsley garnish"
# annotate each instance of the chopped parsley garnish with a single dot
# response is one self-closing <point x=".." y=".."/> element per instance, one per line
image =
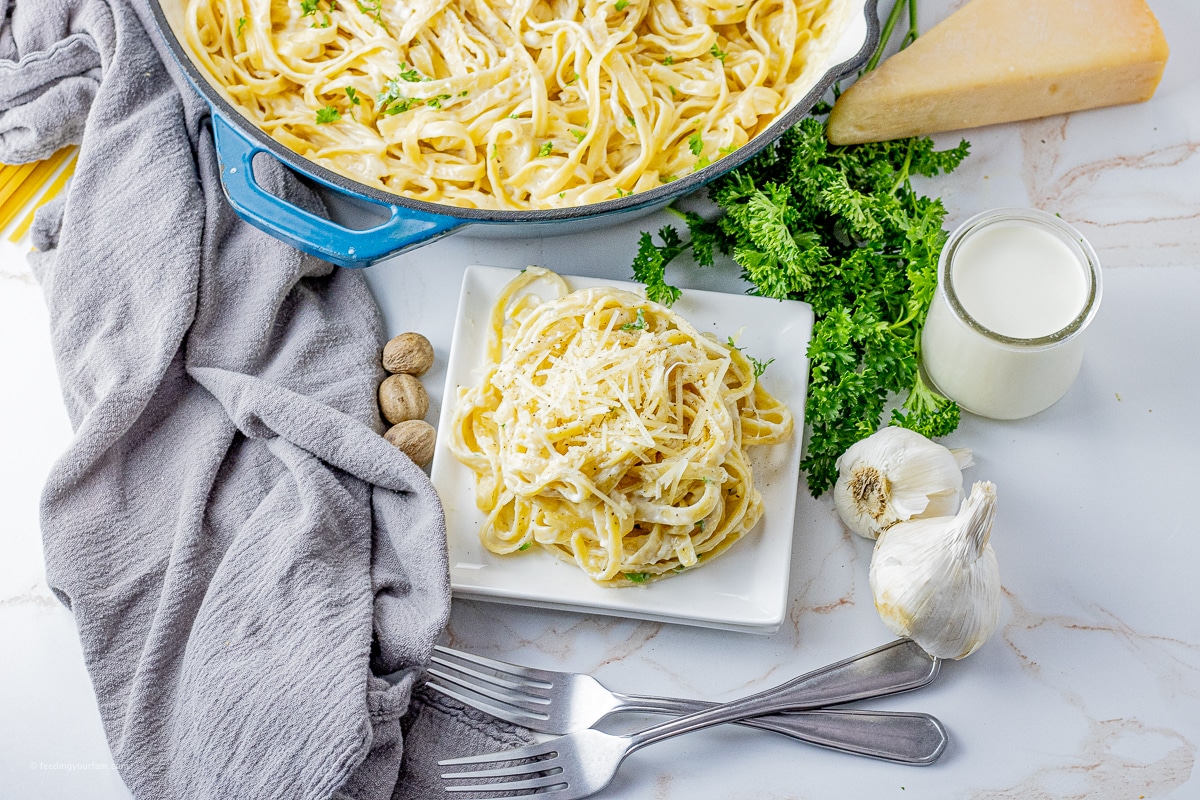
<point x="717" y="53"/>
<point x="695" y="144"/>
<point x="639" y="324"/>
<point x="241" y="26"/>
<point x="328" y="114"/>
<point x="375" y="9"/>
<point x="400" y="104"/>
<point x="636" y="577"/>
<point x="525" y="546"/>
<point x="410" y="74"/>
<point x="391" y="100"/>
<point x="546" y="149"/>
<point x="759" y="366"/>
<point x="309" y="8"/>
<point x="668" y="60"/>
<point x="579" y="135"/>
<point x="621" y="5"/>
<point x="352" y="96"/>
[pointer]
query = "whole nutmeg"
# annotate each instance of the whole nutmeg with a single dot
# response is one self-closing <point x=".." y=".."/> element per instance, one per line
<point x="415" y="438"/>
<point x="402" y="397"/>
<point x="409" y="353"/>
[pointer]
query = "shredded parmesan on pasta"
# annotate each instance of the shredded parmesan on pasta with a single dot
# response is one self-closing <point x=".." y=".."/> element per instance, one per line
<point x="509" y="104"/>
<point x="609" y="432"/>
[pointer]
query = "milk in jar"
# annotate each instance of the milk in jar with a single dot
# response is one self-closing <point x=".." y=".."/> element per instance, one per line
<point x="1016" y="290"/>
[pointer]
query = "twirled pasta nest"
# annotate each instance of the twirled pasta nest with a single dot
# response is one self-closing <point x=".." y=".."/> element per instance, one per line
<point x="609" y="432"/>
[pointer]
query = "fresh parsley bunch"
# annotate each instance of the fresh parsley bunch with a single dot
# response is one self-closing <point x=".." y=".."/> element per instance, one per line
<point x="842" y="229"/>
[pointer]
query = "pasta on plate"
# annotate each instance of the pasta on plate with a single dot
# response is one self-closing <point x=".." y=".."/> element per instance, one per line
<point x="609" y="432"/>
<point x="509" y="104"/>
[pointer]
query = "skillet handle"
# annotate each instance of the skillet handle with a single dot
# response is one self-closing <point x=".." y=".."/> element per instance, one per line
<point x="403" y="230"/>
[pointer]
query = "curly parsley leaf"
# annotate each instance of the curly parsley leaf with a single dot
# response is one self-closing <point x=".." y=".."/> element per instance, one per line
<point x="650" y="264"/>
<point x="927" y="412"/>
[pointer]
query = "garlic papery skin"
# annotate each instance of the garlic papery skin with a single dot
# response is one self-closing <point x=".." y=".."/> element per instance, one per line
<point x="895" y="475"/>
<point x="936" y="580"/>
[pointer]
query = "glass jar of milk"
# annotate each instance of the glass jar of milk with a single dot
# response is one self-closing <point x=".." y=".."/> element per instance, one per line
<point x="1016" y="289"/>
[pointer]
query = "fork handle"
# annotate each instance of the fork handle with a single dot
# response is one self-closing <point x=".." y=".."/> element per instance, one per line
<point x="898" y="666"/>
<point x="895" y="667"/>
<point x="903" y="737"/>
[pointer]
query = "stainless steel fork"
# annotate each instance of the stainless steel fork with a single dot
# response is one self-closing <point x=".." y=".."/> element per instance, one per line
<point x="563" y="702"/>
<point x="582" y="763"/>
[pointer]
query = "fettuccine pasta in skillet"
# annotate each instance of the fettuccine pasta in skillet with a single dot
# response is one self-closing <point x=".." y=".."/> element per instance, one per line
<point x="609" y="432"/>
<point x="509" y="104"/>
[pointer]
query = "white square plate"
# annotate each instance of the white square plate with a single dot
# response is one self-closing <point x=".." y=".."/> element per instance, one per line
<point x="746" y="588"/>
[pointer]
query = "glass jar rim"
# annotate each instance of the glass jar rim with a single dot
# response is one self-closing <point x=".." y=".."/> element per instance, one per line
<point x="1055" y="225"/>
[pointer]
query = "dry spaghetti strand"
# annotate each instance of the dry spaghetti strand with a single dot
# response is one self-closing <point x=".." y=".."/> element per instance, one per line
<point x="21" y="183"/>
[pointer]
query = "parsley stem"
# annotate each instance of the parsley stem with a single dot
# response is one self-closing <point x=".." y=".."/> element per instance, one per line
<point x="890" y="25"/>
<point x="902" y="178"/>
<point x="912" y="314"/>
<point x="913" y="33"/>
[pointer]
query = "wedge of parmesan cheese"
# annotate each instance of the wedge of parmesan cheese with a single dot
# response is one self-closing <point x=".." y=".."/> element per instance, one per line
<point x="1006" y="60"/>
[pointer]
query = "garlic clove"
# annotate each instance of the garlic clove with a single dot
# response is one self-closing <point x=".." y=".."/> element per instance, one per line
<point x="936" y="580"/>
<point x="895" y="475"/>
<point x="941" y="504"/>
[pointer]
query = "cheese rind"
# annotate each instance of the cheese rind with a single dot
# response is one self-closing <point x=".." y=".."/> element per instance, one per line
<point x="1005" y="60"/>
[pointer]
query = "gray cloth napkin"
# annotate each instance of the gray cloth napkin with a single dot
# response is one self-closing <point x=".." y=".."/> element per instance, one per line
<point x="256" y="575"/>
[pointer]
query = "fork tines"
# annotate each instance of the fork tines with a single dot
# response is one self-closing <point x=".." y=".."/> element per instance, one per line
<point x="504" y="690"/>
<point x="537" y="764"/>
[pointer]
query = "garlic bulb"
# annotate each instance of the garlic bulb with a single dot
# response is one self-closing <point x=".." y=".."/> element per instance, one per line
<point x="936" y="580"/>
<point x="894" y="475"/>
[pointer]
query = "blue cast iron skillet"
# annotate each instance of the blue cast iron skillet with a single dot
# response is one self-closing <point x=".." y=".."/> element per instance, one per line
<point x="408" y="223"/>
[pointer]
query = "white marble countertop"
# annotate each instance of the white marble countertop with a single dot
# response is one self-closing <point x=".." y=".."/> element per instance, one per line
<point x="1091" y="688"/>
